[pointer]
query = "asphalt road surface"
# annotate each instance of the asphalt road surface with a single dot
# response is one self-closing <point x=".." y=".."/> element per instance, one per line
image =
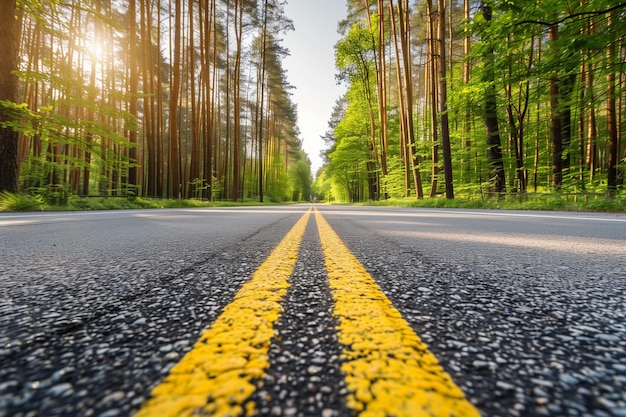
<point x="294" y="311"/>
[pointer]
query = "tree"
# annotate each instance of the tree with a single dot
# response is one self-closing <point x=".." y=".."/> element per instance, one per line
<point x="405" y="95"/>
<point x="494" y="148"/>
<point x="443" y="100"/>
<point x="355" y="63"/>
<point x="174" y="177"/>
<point x="133" y="81"/>
<point x="533" y="76"/>
<point x="611" y="111"/>
<point x="9" y="168"/>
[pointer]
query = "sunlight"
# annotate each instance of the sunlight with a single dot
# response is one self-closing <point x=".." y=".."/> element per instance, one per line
<point x="575" y="245"/>
<point x="91" y="58"/>
<point x="93" y="48"/>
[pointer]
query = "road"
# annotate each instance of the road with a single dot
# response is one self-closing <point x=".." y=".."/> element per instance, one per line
<point x="111" y="313"/>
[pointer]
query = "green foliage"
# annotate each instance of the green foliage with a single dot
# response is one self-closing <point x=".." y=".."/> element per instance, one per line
<point x="278" y="189"/>
<point x="20" y="202"/>
<point x="322" y="186"/>
<point x="121" y="203"/>
<point x="18" y="117"/>
<point x="354" y="54"/>
<point x="300" y="180"/>
<point x="605" y="204"/>
<point x="540" y="64"/>
<point x="394" y="183"/>
<point x="87" y="77"/>
<point x="545" y="202"/>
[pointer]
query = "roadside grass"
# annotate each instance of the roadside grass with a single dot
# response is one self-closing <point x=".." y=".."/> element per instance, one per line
<point x="20" y="202"/>
<point x="548" y="202"/>
<point x="122" y="203"/>
<point x="23" y="202"/>
<point x="537" y="202"/>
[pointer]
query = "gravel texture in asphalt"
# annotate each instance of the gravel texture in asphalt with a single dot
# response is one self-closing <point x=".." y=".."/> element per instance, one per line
<point x="527" y="314"/>
<point x="304" y="378"/>
<point x="523" y="332"/>
<point x="84" y="333"/>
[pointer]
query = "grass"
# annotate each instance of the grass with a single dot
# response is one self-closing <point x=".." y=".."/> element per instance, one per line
<point x="20" y="202"/>
<point x="547" y="202"/>
<point x="121" y="203"/>
<point x="530" y="201"/>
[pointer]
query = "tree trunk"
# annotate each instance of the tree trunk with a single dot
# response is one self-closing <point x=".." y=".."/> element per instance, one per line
<point x="160" y="114"/>
<point x="133" y="81"/>
<point x="612" y="180"/>
<point x="494" y="150"/>
<point x="382" y="90"/>
<point x="9" y="166"/>
<point x="443" y="100"/>
<point x="262" y="101"/>
<point x="402" y="104"/>
<point x="238" y="25"/>
<point x="405" y="30"/>
<point x="174" y="134"/>
<point x="466" y="143"/>
<point x="432" y="83"/>
<point x="379" y="62"/>
<point x="195" y="86"/>
<point x="556" y="125"/>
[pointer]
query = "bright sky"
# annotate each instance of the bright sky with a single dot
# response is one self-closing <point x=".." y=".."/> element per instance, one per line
<point x="311" y="68"/>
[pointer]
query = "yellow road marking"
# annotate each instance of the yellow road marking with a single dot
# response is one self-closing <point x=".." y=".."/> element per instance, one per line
<point x="388" y="370"/>
<point x="215" y="377"/>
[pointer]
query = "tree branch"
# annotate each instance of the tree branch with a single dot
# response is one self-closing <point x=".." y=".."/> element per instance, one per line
<point x="573" y="16"/>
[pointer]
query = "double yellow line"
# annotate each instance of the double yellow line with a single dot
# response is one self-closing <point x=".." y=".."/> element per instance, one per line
<point x="388" y="370"/>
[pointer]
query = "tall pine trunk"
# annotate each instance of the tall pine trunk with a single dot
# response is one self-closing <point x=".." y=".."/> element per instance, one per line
<point x="497" y="179"/>
<point x="407" y="63"/>
<point x="9" y="167"/>
<point x="174" y="134"/>
<point x="443" y="101"/>
<point x="236" y="145"/>
<point x="133" y="81"/>
<point x="612" y="180"/>
<point x="431" y="75"/>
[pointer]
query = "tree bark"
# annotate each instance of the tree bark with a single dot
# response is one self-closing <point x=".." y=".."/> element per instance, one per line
<point x="494" y="149"/>
<point x="9" y="166"/>
<point x="466" y="142"/>
<point x="612" y="180"/>
<point x="443" y="102"/>
<point x="407" y="62"/>
<point x="174" y="134"/>
<point x="262" y="101"/>
<point x="402" y="104"/>
<point x="133" y="82"/>
<point x="434" y="104"/>
<point x="556" y="128"/>
<point x="238" y="26"/>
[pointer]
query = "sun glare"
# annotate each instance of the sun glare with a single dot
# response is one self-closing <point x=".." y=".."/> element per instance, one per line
<point x="94" y="49"/>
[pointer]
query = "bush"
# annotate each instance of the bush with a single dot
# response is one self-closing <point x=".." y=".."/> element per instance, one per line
<point x="20" y="202"/>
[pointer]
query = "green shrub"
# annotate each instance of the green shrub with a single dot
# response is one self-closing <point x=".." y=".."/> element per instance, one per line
<point x="20" y="202"/>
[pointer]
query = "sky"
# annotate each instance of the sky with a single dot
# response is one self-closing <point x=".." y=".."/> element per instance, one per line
<point x="311" y="68"/>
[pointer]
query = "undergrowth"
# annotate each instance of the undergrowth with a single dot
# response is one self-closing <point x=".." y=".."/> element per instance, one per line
<point x="548" y="202"/>
<point x="23" y="202"/>
<point x="20" y="202"/>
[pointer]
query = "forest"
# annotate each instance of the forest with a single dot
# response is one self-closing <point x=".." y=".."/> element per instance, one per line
<point x="490" y="98"/>
<point x="189" y="99"/>
<point x="156" y="98"/>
